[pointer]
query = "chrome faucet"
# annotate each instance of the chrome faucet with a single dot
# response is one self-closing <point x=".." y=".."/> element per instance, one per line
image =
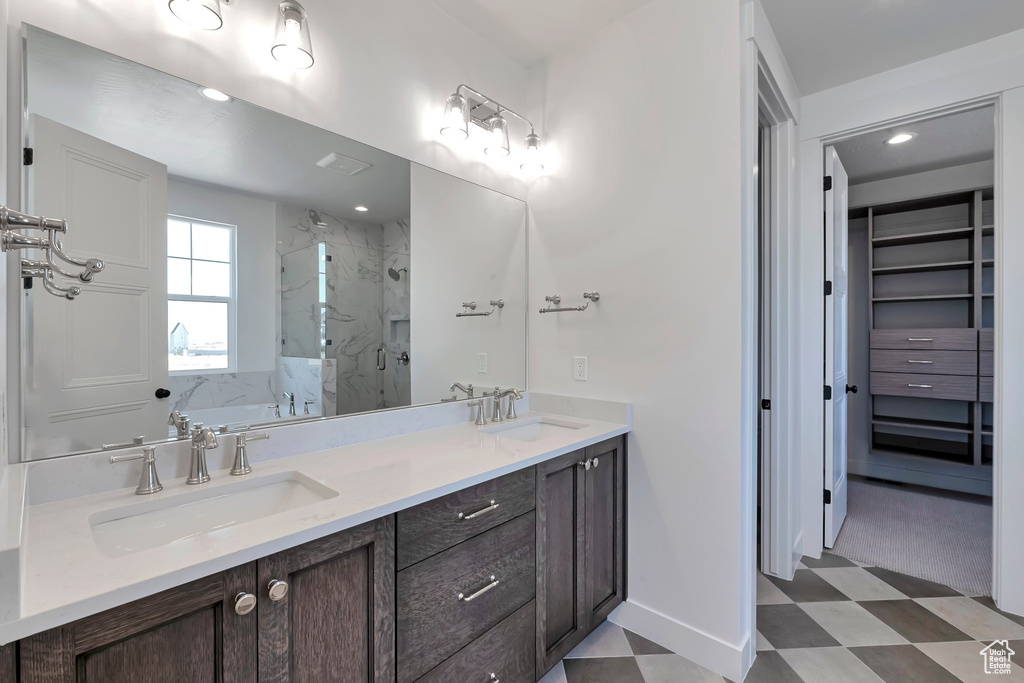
<point x="149" y="481"/>
<point x="179" y="422"/>
<point x="202" y="439"/>
<point x="277" y="409"/>
<point x="513" y="396"/>
<point x="481" y="419"/>
<point x="467" y="388"/>
<point x="496" y="405"/>
<point x="241" y="465"/>
<point x="291" y="401"/>
<point x="306" y="405"/>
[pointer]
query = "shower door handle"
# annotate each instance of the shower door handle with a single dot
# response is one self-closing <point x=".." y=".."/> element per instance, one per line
<point x="382" y="359"/>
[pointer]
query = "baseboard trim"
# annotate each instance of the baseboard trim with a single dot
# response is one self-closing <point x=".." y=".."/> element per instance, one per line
<point x="725" y="659"/>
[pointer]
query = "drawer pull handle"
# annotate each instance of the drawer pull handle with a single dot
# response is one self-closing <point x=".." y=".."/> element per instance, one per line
<point x="920" y="339"/>
<point x="473" y="596"/>
<point x="920" y="386"/>
<point x="921" y="362"/>
<point x="481" y="511"/>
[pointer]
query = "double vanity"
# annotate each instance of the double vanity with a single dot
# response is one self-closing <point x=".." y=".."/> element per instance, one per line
<point x="453" y="553"/>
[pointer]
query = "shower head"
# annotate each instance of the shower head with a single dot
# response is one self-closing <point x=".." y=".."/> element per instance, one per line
<point x="396" y="275"/>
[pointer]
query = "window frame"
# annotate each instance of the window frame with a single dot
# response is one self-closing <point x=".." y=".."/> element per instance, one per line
<point x="231" y="300"/>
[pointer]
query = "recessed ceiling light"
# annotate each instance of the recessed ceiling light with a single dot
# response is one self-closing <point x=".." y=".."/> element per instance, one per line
<point x="361" y="208"/>
<point x="900" y="138"/>
<point x="214" y="94"/>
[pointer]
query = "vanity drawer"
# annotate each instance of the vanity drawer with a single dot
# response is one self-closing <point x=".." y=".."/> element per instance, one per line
<point x="437" y="525"/>
<point x="949" y="387"/>
<point x="945" y="339"/>
<point x="925" y="362"/>
<point x="986" y="388"/>
<point x="987" y="339"/>
<point x="507" y="651"/>
<point x="433" y="623"/>
<point x="987" y="363"/>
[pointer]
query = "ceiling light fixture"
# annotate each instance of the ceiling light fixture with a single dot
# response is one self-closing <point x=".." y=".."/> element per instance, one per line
<point x="490" y="115"/>
<point x="361" y="208"/>
<point x="214" y="94"/>
<point x="203" y="14"/>
<point x="292" y="46"/>
<point x="900" y="138"/>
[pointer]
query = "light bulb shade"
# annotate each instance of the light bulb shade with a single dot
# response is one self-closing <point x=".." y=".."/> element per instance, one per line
<point x="532" y="162"/>
<point x="292" y="46"/>
<point x="204" y="14"/>
<point x="456" y="118"/>
<point x="497" y="136"/>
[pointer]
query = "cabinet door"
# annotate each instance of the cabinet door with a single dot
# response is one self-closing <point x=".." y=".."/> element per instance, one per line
<point x="190" y="633"/>
<point x="336" y="623"/>
<point x="605" y="529"/>
<point x="561" y="612"/>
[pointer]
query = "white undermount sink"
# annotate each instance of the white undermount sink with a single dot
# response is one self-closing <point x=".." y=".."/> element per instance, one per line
<point x="534" y="428"/>
<point x="175" y="519"/>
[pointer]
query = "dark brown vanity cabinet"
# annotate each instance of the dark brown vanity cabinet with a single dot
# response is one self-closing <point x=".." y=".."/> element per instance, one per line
<point x="332" y="620"/>
<point x="580" y="546"/>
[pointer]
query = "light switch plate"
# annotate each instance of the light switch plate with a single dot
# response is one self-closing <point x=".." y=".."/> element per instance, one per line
<point x="579" y="368"/>
<point x="481" y="363"/>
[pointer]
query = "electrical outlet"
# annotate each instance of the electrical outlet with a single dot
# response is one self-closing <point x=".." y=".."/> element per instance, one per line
<point x="579" y="368"/>
<point x="481" y="363"/>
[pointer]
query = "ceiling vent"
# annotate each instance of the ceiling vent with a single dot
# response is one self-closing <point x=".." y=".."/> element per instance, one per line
<point x="343" y="164"/>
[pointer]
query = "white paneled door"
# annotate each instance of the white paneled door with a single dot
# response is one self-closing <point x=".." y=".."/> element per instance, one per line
<point x="94" y="364"/>
<point x="836" y="376"/>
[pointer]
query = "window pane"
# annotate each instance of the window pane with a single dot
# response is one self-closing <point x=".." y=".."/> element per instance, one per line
<point x="211" y="279"/>
<point x="179" y="239"/>
<point x="211" y="243"/>
<point x="197" y="335"/>
<point x="179" y="276"/>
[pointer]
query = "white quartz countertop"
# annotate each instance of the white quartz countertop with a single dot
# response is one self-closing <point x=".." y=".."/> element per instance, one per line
<point x="66" y="576"/>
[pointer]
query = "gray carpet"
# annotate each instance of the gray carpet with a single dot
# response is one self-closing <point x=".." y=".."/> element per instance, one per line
<point x="933" y="537"/>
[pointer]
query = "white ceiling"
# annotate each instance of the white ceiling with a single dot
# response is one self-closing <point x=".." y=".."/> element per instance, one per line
<point x="953" y="140"/>
<point x="831" y="42"/>
<point x="235" y="145"/>
<point x="529" y="31"/>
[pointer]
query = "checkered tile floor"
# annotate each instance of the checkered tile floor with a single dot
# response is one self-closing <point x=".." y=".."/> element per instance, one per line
<point x="837" y="621"/>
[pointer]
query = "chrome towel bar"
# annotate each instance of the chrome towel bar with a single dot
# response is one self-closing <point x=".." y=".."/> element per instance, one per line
<point x="554" y="300"/>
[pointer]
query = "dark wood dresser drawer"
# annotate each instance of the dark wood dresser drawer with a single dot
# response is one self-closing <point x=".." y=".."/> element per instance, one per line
<point x="987" y="339"/>
<point x="986" y="389"/>
<point x="452" y="598"/>
<point x="437" y="525"/>
<point x="941" y="339"/>
<point x="987" y="363"/>
<point x="949" y="387"/>
<point x="506" y="651"/>
<point x="925" y="362"/>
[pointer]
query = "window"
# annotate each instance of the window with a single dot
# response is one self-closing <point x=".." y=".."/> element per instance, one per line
<point x="200" y="296"/>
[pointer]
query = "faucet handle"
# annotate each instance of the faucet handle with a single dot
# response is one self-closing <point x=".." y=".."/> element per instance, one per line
<point x="479" y="405"/>
<point x="245" y="437"/>
<point x="149" y="481"/>
<point x="306" y="405"/>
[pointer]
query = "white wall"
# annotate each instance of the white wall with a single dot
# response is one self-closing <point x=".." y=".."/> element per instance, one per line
<point x="927" y="184"/>
<point x="468" y="244"/>
<point x="255" y="272"/>
<point x="991" y="68"/>
<point x="382" y="71"/>
<point x="640" y="200"/>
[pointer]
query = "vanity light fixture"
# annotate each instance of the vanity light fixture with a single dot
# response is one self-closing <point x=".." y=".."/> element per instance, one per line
<point x="202" y="14"/>
<point x="900" y="138"/>
<point x="491" y="116"/>
<point x="214" y="94"/>
<point x="292" y="46"/>
<point x="361" y="208"/>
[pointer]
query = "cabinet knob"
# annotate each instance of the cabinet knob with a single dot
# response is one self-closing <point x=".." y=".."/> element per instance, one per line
<point x="245" y="603"/>
<point x="585" y="464"/>
<point x="277" y="589"/>
<point x="595" y="462"/>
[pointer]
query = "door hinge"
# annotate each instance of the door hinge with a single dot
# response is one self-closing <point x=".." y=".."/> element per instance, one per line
<point x="828" y="393"/>
<point x="827" y="185"/>
<point x="828" y="497"/>
<point x="828" y="288"/>
<point x="766" y="404"/>
<point x="27" y="156"/>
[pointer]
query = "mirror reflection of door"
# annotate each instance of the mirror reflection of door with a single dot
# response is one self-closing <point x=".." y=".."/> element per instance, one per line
<point x="94" y="364"/>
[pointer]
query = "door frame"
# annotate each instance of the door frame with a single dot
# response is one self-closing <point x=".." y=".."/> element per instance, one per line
<point x="812" y="161"/>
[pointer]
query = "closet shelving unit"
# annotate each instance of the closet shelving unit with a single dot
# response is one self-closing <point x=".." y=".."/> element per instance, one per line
<point x="930" y="279"/>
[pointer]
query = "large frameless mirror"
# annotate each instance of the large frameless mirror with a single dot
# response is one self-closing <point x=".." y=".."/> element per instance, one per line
<point x="258" y="269"/>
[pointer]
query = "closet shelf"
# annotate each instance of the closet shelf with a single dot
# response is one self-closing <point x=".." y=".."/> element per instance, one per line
<point x="932" y="425"/>
<point x="921" y="297"/>
<point x="923" y="268"/>
<point x="923" y="237"/>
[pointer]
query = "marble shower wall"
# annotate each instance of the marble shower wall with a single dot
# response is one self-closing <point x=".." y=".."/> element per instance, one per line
<point x="310" y="379"/>
<point x="300" y="303"/>
<point x="363" y="312"/>
<point x="196" y="392"/>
